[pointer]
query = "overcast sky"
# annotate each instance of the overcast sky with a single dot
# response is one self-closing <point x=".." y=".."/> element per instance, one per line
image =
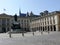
<point x="36" y="6"/>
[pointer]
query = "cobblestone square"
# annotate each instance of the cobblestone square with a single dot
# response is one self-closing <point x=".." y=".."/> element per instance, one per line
<point x="53" y="38"/>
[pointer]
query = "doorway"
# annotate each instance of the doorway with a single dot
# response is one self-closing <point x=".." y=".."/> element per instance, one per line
<point x="3" y="29"/>
<point x="54" y="28"/>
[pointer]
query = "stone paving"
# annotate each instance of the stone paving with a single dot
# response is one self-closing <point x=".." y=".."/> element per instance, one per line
<point x="53" y="38"/>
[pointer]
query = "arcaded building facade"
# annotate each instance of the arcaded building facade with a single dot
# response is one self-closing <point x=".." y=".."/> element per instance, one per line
<point x="46" y="22"/>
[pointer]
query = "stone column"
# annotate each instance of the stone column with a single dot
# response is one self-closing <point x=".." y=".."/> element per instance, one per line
<point x="52" y="28"/>
<point x="1" y="25"/>
<point x="6" y="25"/>
<point x="57" y="28"/>
<point x="49" y="28"/>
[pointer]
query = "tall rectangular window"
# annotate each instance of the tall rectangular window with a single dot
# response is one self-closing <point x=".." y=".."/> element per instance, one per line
<point x="8" y="21"/>
<point x="3" y="22"/>
<point x="0" y="22"/>
<point x="53" y="20"/>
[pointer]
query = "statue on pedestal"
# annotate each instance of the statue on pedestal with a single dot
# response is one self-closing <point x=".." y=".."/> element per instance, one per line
<point x="15" y="17"/>
<point x="15" y="24"/>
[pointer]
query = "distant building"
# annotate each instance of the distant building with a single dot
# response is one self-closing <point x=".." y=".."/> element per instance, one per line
<point x="22" y="14"/>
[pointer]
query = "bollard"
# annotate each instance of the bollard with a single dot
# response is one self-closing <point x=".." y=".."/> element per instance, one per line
<point x="23" y="34"/>
<point x="41" y="32"/>
<point x="48" y="32"/>
<point x="10" y="34"/>
<point x="33" y="33"/>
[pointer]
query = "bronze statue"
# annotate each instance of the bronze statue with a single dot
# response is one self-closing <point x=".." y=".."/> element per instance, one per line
<point x="15" y="17"/>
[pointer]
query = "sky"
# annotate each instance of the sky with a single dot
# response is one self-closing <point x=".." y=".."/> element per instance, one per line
<point x="36" y="6"/>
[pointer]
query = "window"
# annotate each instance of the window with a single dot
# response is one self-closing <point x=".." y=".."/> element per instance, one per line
<point x="24" y="21"/>
<point x="45" y="23"/>
<point x="0" y="21"/>
<point x="27" y="21"/>
<point x="12" y="20"/>
<point x="8" y="21"/>
<point x="8" y="29"/>
<point x="21" y="21"/>
<point x="53" y="20"/>
<point x="4" y="22"/>
<point x="50" y="20"/>
<point x="45" y="19"/>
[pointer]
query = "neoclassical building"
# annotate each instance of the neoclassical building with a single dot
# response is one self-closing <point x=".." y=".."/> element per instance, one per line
<point x="24" y="20"/>
<point x="47" y="21"/>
